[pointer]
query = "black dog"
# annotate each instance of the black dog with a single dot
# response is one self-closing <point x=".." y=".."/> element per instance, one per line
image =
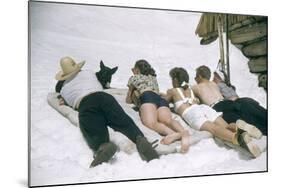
<point x="105" y="74"/>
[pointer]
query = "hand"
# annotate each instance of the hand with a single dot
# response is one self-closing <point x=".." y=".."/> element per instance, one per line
<point x="134" y="71"/>
<point x="162" y="94"/>
<point x="61" y="101"/>
<point x="196" y="101"/>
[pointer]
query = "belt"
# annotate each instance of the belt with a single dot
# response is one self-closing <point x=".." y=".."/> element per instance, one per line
<point x="213" y="104"/>
<point x="81" y="98"/>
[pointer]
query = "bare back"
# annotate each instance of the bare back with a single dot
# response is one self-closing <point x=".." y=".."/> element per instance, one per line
<point x="176" y="97"/>
<point x="208" y="92"/>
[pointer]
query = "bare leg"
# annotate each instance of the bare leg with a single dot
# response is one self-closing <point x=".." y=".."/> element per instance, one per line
<point x="232" y="127"/>
<point x="185" y="141"/>
<point x="250" y="129"/>
<point x="222" y="123"/>
<point x="228" y="133"/>
<point x="219" y="131"/>
<point x="148" y="114"/>
<point x="165" y="117"/>
<point x="171" y="138"/>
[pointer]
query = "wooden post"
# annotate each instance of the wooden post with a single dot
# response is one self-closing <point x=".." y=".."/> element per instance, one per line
<point x="227" y="48"/>
<point x="219" y="25"/>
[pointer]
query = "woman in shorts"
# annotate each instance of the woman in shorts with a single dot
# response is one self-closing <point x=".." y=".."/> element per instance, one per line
<point x="199" y="116"/>
<point x="154" y="110"/>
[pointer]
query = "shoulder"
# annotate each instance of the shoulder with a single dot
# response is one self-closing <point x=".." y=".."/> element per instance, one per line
<point x="222" y="85"/>
<point x="137" y="77"/>
<point x="214" y="84"/>
<point x="134" y="79"/>
<point x="148" y="77"/>
<point x="171" y="91"/>
<point x="194" y="87"/>
<point x="208" y="84"/>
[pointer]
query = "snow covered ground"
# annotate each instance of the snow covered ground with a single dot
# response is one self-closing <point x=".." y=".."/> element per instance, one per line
<point x="120" y="36"/>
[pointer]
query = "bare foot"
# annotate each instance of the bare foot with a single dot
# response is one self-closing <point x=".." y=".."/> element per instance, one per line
<point x="170" y="138"/>
<point x="184" y="141"/>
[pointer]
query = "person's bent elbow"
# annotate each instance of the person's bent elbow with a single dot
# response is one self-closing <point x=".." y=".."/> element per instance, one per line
<point x="129" y="100"/>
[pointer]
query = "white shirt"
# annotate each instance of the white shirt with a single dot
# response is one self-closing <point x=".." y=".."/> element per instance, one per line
<point x="77" y="87"/>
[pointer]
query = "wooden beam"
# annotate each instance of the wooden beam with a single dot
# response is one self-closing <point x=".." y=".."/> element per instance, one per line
<point x="221" y="45"/>
<point x="255" y="49"/>
<point x="248" y="33"/>
<point x="258" y="65"/>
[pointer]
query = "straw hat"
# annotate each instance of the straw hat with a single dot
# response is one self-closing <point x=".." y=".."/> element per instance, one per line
<point x="69" y="68"/>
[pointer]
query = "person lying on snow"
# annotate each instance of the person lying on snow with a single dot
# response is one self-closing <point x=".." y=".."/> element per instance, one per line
<point x="209" y="93"/>
<point x="82" y="90"/>
<point x="250" y="109"/>
<point x="154" y="110"/>
<point x="201" y="117"/>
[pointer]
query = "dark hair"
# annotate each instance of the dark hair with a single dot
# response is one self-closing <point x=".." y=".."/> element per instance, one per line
<point x="204" y="72"/>
<point x="145" y="68"/>
<point x="181" y="75"/>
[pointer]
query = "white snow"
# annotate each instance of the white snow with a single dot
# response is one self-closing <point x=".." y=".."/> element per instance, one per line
<point x="119" y="36"/>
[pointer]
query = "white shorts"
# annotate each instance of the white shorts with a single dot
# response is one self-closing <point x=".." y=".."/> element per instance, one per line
<point x="197" y="115"/>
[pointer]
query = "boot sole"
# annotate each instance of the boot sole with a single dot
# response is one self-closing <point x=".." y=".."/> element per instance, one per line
<point x="250" y="129"/>
<point x="146" y="151"/>
<point x="148" y="154"/>
<point x="104" y="156"/>
<point x="251" y="147"/>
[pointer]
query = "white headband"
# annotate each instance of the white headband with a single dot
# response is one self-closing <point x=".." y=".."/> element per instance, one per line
<point x="183" y="83"/>
<point x="220" y="74"/>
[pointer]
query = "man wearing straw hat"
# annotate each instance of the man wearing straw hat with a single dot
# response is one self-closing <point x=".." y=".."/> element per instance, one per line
<point x="81" y="90"/>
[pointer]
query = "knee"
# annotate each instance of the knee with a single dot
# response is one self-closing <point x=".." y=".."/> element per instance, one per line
<point x="166" y="120"/>
<point x="151" y="123"/>
<point x="210" y="127"/>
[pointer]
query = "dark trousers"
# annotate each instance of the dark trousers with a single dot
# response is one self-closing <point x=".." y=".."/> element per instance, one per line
<point x="253" y="113"/>
<point x="245" y="109"/>
<point x="230" y="110"/>
<point x="99" y="110"/>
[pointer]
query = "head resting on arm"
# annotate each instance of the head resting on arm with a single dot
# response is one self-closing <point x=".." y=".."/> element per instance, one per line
<point x="143" y="67"/>
<point x="180" y="77"/>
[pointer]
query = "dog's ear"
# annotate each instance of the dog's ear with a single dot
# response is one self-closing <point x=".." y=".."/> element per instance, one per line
<point x="114" y="70"/>
<point x="101" y="65"/>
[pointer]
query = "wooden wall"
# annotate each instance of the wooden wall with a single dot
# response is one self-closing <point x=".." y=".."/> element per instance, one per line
<point x="250" y="36"/>
<point x="248" y="33"/>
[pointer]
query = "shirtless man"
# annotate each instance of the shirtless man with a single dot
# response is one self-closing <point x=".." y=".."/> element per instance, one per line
<point x="208" y="92"/>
